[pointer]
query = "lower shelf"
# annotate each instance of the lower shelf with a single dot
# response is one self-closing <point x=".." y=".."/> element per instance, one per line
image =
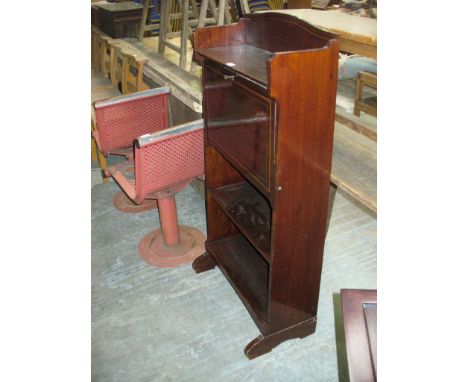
<point x="249" y="211"/>
<point x="247" y="272"/>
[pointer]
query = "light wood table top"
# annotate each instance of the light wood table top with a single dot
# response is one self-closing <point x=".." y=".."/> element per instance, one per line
<point x="357" y="34"/>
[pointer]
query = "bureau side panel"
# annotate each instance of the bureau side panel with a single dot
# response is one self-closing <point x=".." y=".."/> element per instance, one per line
<point x="304" y="84"/>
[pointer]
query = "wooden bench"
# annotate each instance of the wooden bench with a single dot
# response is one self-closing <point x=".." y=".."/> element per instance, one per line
<point x="354" y="165"/>
<point x="357" y="124"/>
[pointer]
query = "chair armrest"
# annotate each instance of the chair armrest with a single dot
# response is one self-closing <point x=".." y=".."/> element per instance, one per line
<point x="131" y="97"/>
<point x="148" y="139"/>
<point x="168" y="158"/>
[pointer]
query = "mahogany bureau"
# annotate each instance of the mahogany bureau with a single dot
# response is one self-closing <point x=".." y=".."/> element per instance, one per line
<point x="269" y="88"/>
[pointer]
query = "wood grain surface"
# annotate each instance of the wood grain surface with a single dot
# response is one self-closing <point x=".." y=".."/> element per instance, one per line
<point x="358" y="35"/>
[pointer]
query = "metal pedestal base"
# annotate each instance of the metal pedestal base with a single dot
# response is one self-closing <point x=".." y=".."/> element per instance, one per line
<point x="124" y="204"/>
<point x="155" y="252"/>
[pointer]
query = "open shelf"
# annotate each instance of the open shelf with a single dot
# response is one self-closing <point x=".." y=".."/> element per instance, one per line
<point x="239" y="125"/>
<point x="249" y="211"/>
<point x="246" y="59"/>
<point x="246" y="271"/>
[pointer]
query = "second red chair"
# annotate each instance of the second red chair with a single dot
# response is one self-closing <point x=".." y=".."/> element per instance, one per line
<point x="120" y="120"/>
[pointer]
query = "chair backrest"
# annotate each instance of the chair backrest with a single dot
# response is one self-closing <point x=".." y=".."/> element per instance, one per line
<point x="175" y="18"/>
<point x="101" y="50"/>
<point x="117" y="61"/>
<point x="132" y="73"/>
<point x="168" y="158"/>
<point x="122" y="119"/>
<point x="96" y="48"/>
<point x="106" y="53"/>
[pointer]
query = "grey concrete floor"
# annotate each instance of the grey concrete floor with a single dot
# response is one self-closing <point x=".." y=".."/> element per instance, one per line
<point x="151" y="324"/>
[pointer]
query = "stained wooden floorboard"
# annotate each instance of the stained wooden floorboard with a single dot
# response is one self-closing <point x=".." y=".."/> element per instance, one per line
<point x="152" y="324"/>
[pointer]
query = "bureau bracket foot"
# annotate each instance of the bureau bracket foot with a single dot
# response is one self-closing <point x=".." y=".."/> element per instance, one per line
<point x="264" y="344"/>
<point x="204" y="263"/>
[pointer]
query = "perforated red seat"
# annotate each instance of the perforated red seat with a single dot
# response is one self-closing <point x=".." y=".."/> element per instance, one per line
<point x="120" y="120"/>
<point x="164" y="163"/>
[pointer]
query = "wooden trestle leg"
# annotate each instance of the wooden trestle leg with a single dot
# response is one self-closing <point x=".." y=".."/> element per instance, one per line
<point x="204" y="263"/>
<point x="265" y="343"/>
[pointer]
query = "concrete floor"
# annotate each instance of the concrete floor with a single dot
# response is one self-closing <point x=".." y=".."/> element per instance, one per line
<point x="152" y="324"/>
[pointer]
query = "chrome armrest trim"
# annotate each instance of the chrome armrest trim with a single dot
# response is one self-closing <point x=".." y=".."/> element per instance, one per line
<point x="131" y="97"/>
<point x="150" y="138"/>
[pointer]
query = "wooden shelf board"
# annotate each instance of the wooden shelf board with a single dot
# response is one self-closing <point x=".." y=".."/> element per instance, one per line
<point x="247" y="59"/>
<point x="246" y="271"/>
<point x="249" y="211"/>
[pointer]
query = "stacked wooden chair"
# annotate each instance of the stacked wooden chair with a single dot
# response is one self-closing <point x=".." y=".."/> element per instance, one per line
<point x="189" y="15"/>
<point x="150" y="19"/>
<point x="118" y="55"/>
<point x="102" y="50"/>
<point x="162" y="161"/>
<point x="102" y="47"/>
<point x="132" y="73"/>
<point x="369" y="104"/>
<point x="119" y="71"/>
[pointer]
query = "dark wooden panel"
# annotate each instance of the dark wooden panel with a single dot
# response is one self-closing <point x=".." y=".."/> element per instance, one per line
<point x="120" y="19"/>
<point x="360" y="326"/>
<point x="304" y="155"/>
<point x="211" y="37"/>
<point x="370" y="314"/>
<point x="218" y="170"/>
<point x="283" y="34"/>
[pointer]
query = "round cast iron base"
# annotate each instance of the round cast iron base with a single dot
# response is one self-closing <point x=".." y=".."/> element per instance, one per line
<point x="124" y="204"/>
<point x="153" y="250"/>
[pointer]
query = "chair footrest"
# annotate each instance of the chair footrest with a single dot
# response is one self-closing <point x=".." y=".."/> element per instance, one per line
<point x="126" y="152"/>
<point x="124" y="175"/>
